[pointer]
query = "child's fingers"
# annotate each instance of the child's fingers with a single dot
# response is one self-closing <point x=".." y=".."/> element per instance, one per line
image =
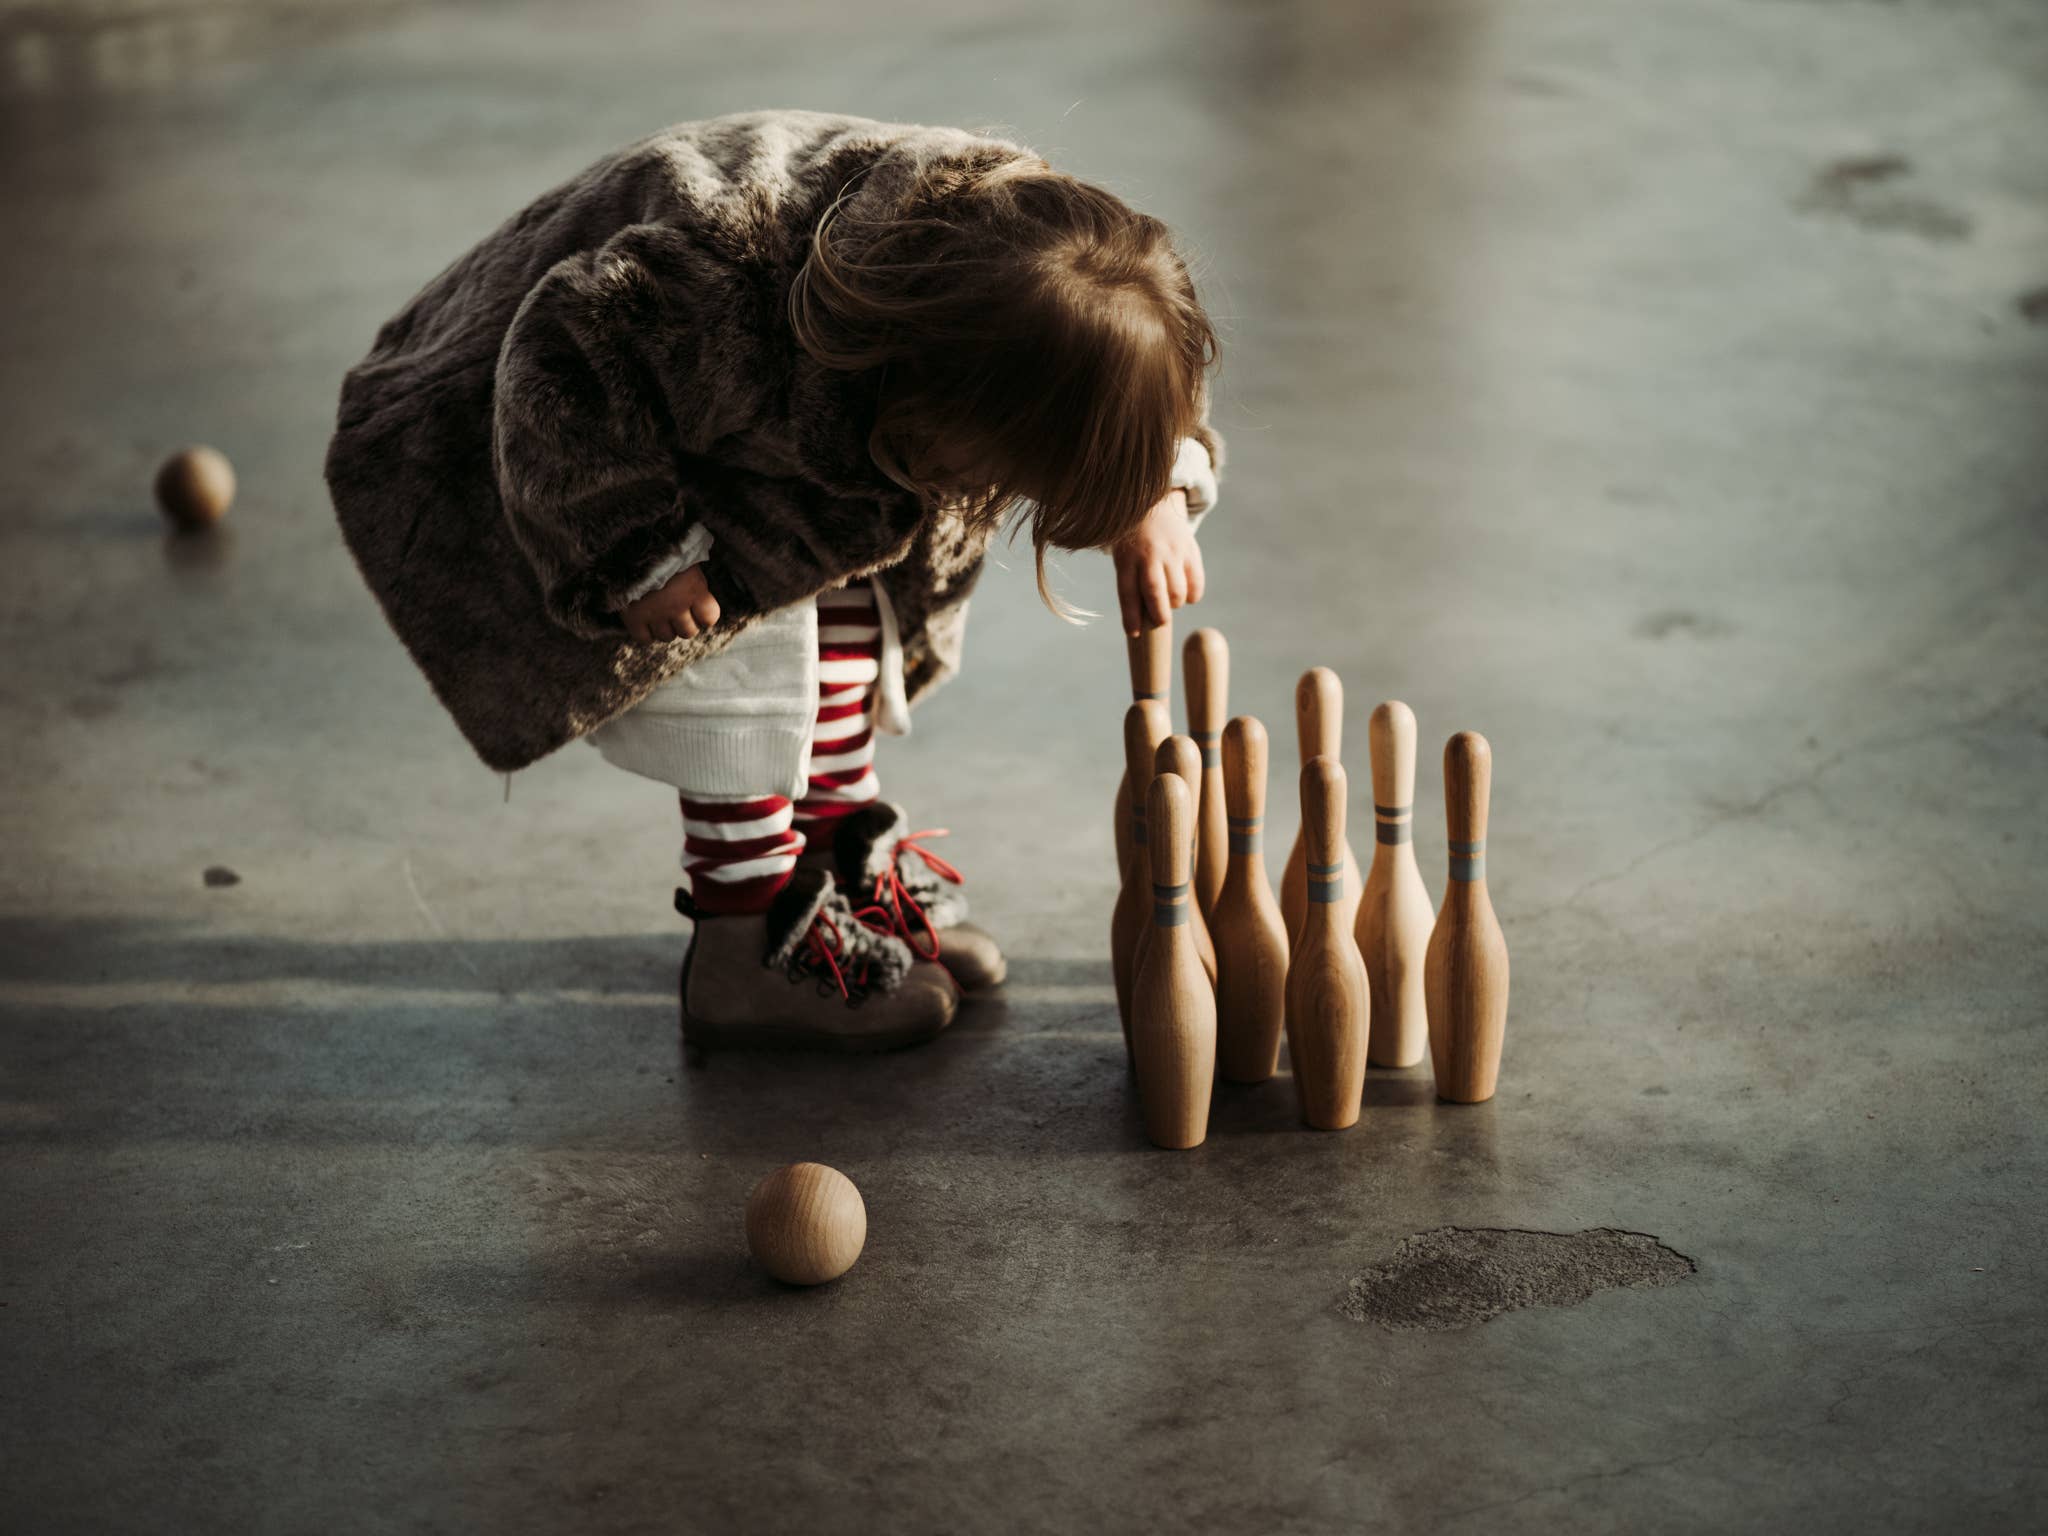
<point x="1198" y="579"/>
<point x="687" y="624"/>
<point x="1158" y="600"/>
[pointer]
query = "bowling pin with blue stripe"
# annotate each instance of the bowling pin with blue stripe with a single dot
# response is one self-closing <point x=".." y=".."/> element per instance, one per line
<point x="1466" y="973"/>
<point x="1151" y="658"/>
<point x="1179" y="755"/>
<point x="1206" y="665"/>
<point x="1251" y="938"/>
<point x="1329" y="1000"/>
<point x="1173" y="1011"/>
<point x="1319" y="727"/>
<point x="1145" y="727"/>
<point x="1396" y="915"/>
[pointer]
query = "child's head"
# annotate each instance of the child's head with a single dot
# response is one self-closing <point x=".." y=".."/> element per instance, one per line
<point x="1038" y="340"/>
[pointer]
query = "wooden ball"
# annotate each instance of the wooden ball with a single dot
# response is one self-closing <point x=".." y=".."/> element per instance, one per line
<point x="195" y="486"/>
<point x="806" y="1223"/>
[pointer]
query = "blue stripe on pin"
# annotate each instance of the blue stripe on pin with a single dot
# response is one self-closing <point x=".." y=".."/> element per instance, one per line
<point x="1478" y="847"/>
<point x="1468" y="869"/>
<point x="1326" y="891"/>
<point x="1324" y="871"/>
<point x="1396" y="832"/>
<point x="1170" y="908"/>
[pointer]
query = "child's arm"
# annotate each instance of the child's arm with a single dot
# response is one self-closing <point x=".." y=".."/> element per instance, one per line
<point x="621" y="371"/>
<point x="603" y="379"/>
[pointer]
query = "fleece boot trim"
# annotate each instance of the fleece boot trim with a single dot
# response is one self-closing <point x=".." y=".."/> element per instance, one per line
<point x="869" y="845"/>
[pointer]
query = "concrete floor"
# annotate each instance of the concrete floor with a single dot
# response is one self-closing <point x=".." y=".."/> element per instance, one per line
<point x="1659" y="388"/>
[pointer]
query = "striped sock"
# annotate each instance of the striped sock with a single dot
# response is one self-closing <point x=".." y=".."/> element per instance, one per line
<point x="737" y="853"/>
<point x="843" y="739"/>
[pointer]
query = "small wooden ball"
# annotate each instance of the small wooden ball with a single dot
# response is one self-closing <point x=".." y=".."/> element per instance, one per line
<point x="195" y="486"/>
<point x="806" y="1223"/>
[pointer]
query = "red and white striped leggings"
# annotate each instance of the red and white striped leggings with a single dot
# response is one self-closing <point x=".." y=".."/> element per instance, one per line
<point x="737" y="852"/>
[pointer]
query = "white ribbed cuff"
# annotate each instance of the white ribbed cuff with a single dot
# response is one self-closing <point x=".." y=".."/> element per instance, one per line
<point x="703" y="759"/>
<point x="692" y="551"/>
<point x="1193" y="473"/>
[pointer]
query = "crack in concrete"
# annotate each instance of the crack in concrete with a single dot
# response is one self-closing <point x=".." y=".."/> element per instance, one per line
<point x="434" y="922"/>
<point x="1806" y="779"/>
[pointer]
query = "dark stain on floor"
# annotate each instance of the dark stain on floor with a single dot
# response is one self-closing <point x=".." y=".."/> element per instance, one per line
<point x="1666" y="622"/>
<point x="1456" y="1277"/>
<point x="1865" y="190"/>
<point x="2033" y="305"/>
<point x="1858" y="169"/>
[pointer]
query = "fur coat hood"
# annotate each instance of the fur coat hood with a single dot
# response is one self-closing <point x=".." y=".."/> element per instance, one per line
<point x="610" y="370"/>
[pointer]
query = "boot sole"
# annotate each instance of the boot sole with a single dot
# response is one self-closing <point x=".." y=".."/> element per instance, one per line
<point x="979" y="988"/>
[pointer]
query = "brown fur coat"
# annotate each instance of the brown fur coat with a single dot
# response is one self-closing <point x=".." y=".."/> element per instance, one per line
<point x="611" y="367"/>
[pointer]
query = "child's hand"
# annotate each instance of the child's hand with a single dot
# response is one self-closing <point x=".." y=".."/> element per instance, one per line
<point x="679" y="609"/>
<point x="1158" y="565"/>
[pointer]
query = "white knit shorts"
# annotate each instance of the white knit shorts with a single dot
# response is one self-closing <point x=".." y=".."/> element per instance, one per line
<point x="739" y="723"/>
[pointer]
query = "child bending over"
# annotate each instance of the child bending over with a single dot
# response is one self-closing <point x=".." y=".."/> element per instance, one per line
<point x="697" y="457"/>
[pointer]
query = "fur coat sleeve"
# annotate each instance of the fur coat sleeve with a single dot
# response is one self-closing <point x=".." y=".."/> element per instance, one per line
<point x="602" y="381"/>
<point x="621" y="374"/>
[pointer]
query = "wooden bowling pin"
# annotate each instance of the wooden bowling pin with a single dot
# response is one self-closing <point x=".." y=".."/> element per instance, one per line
<point x="1173" y="1012"/>
<point x="1395" y="913"/>
<point x="1319" y="727"/>
<point x="1151" y="658"/>
<point x="1179" y="755"/>
<point x="1251" y="940"/>
<point x="1206" y="665"/>
<point x="1328" y="996"/>
<point x="1466" y="972"/>
<point x="1145" y="726"/>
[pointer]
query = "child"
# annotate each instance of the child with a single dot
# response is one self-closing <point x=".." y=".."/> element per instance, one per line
<point x="698" y="456"/>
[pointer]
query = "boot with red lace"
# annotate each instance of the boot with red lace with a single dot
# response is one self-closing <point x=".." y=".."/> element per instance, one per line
<point x="882" y="865"/>
<point x="814" y="972"/>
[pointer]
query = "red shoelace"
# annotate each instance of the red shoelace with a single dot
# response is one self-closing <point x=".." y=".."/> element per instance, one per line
<point x="891" y="896"/>
<point x="828" y="949"/>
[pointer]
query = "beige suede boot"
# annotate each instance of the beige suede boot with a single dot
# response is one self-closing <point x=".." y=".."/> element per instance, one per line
<point x="806" y="975"/>
<point x="880" y="866"/>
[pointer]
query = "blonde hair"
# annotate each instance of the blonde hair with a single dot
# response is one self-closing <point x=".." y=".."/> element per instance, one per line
<point x="1038" y="340"/>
